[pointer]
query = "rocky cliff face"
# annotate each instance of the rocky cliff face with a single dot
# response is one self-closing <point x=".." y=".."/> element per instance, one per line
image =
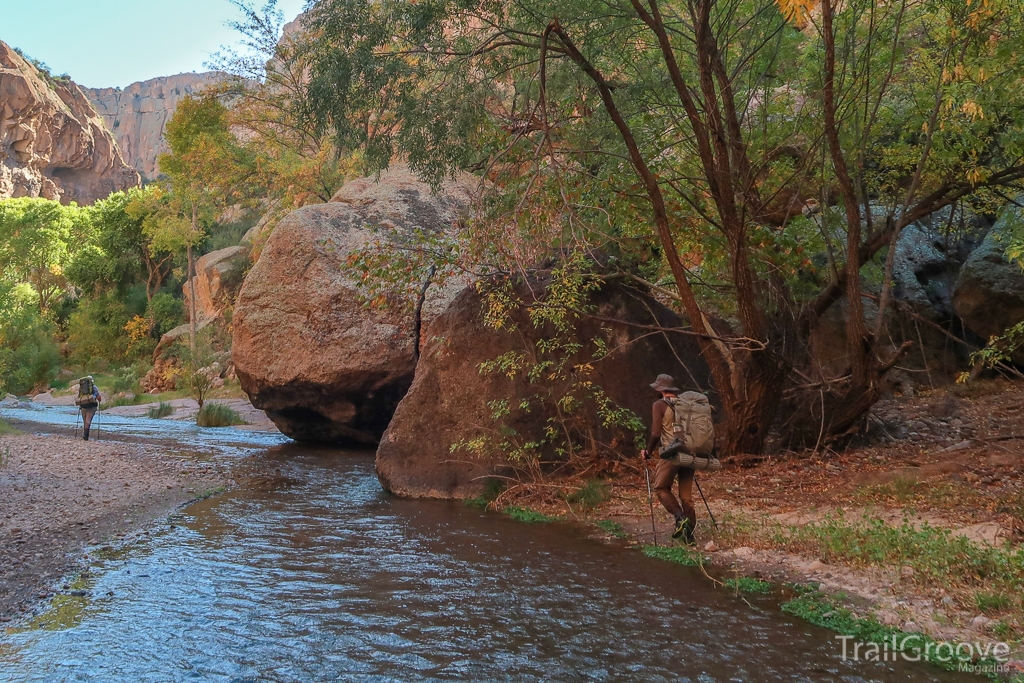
<point x="138" y="114"/>
<point x="52" y="144"/>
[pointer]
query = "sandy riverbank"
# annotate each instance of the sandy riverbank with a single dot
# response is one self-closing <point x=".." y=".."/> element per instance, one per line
<point x="59" y="496"/>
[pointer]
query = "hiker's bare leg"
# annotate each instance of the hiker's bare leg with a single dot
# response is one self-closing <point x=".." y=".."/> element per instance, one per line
<point x="686" y="495"/>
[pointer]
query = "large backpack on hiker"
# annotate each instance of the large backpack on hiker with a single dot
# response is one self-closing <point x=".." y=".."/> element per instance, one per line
<point x="85" y="398"/>
<point x="694" y="432"/>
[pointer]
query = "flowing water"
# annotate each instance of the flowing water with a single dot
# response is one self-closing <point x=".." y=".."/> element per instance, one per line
<point x="315" y="574"/>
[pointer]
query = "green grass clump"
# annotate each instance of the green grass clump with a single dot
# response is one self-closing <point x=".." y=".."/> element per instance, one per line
<point x="218" y="415"/>
<point x="613" y="528"/>
<point x="592" y="493"/>
<point x="748" y="584"/>
<point x="822" y="610"/>
<point x="491" y="492"/>
<point x="991" y="602"/>
<point x="529" y="516"/>
<point x="6" y="428"/>
<point x="161" y="410"/>
<point x="679" y="554"/>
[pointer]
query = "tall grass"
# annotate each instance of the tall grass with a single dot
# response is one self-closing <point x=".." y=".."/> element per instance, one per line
<point x="162" y="410"/>
<point x="218" y="415"/>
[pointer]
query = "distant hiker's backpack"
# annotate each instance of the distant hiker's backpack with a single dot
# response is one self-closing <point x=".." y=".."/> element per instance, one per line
<point x="85" y="397"/>
<point x="693" y="427"/>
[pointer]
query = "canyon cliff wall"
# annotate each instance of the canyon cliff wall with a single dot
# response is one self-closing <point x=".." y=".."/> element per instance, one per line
<point x="138" y="114"/>
<point x="52" y="143"/>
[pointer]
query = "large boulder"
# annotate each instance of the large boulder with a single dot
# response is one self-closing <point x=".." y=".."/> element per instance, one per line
<point x="307" y="348"/>
<point x="214" y="281"/>
<point x="989" y="292"/>
<point x="451" y="400"/>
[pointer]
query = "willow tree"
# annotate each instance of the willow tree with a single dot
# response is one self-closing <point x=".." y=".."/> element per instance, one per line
<point x="768" y="152"/>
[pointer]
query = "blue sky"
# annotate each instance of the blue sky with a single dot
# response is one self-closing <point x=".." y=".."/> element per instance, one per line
<point x="106" y="43"/>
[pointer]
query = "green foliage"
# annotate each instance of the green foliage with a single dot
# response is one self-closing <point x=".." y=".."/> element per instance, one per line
<point x="748" y="584"/>
<point x="96" y="329"/>
<point x="218" y="415"/>
<point x="819" y="609"/>
<point x="991" y="602"/>
<point x="613" y="528"/>
<point x="165" y="312"/>
<point x="29" y="357"/>
<point x="37" y="239"/>
<point x="521" y="514"/>
<point x="680" y="554"/>
<point x="492" y="490"/>
<point x="592" y="493"/>
<point x="161" y="410"/>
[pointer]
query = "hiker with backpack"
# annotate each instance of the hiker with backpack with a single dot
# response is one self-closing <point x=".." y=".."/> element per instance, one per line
<point x="681" y="423"/>
<point x="88" y="401"/>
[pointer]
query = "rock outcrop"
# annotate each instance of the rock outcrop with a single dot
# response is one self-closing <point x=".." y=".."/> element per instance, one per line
<point x="215" y="283"/>
<point x="52" y="144"/>
<point x="138" y="114"/>
<point x="307" y="348"/>
<point x="989" y="292"/>
<point x="451" y="400"/>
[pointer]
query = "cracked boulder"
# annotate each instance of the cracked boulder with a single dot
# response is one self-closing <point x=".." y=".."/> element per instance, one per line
<point x="307" y="349"/>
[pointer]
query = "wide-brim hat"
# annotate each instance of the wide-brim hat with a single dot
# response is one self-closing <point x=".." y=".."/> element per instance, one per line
<point x="665" y="383"/>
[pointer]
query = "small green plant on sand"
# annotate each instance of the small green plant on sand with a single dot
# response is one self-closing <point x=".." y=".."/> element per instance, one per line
<point x="748" y="584"/>
<point x="613" y="528"/>
<point x="529" y="516"/>
<point x="679" y="554"/>
<point x="218" y="415"/>
<point x="6" y="428"/>
<point x="162" y="410"/>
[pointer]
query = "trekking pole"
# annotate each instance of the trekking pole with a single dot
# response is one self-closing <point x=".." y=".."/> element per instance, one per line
<point x="650" y="503"/>
<point x="706" y="506"/>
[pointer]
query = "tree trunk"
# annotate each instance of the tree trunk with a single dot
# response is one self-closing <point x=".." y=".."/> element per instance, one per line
<point x="192" y="292"/>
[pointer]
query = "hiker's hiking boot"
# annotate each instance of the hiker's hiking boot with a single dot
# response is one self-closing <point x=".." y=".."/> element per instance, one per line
<point x="682" y="527"/>
<point x="684" y="530"/>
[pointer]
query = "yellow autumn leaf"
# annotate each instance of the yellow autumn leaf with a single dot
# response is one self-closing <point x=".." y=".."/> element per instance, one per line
<point x="796" y="10"/>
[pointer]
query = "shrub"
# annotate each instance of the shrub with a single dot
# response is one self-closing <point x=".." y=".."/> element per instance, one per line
<point x="218" y="415"/>
<point x="162" y="410"/>
<point x="592" y="493"/>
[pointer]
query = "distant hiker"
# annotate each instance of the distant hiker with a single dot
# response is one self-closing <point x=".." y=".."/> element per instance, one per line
<point x="88" y="400"/>
<point x="663" y="433"/>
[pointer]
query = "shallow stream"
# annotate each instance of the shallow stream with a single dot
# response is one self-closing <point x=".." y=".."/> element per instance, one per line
<point x="314" y="574"/>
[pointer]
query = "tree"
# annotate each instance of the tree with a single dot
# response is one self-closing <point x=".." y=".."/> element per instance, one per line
<point x="293" y="163"/>
<point x="37" y="237"/>
<point x="206" y="166"/>
<point x="743" y="140"/>
<point x="120" y="253"/>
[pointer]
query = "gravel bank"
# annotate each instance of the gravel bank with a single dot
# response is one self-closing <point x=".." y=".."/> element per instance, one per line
<point x="60" y="495"/>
